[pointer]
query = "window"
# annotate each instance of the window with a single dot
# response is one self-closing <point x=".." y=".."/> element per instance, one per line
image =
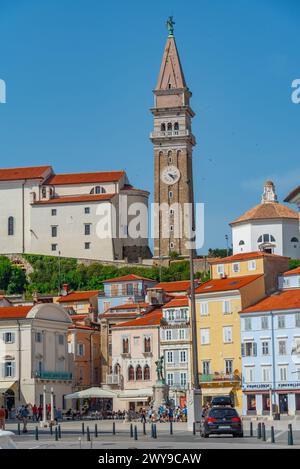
<point x="294" y="240"/>
<point x="249" y="372"/>
<point x="171" y="245"/>
<point x="226" y="307"/>
<point x="176" y="126"/>
<point x="146" y="372"/>
<point x="53" y="212"/>
<point x="266" y="238"/>
<point x="130" y="373"/>
<point x="169" y="127"/>
<point x="80" y="350"/>
<point x="87" y="210"/>
<point x="61" y="339"/>
<point x="87" y="229"/>
<point x="183" y="379"/>
<point x="53" y="247"/>
<point x="236" y="267"/>
<point x="281" y="322"/>
<point x="297" y="320"/>
<point x="264" y="322"/>
<point x="283" y="373"/>
<point x="206" y="367"/>
<point x="182" y="356"/>
<point x="249" y="349"/>
<point x="168" y="334"/>
<point x="228" y="367"/>
<point x="266" y="374"/>
<point x="282" y="347"/>
<point x="170" y="379"/>
<point x="163" y="127"/>
<point x="54" y="231"/>
<point x="265" y="347"/>
<point x="125" y="345"/>
<point x="181" y="334"/>
<point x="220" y="269"/>
<point x="147" y="344"/>
<point x="9" y="369"/>
<point x="204" y="308"/>
<point x="252" y="265"/>
<point x="248" y="324"/>
<point x="170" y="194"/>
<point x="87" y="245"/>
<point x="170" y="357"/>
<point x="9" y="337"/>
<point x="38" y="337"/>
<point x="100" y="190"/>
<point x="10" y="228"/>
<point x="139" y="373"/>
<point x="242" y="243"/>
<point x="227" y="334"/>
<point x="204" y="336"/>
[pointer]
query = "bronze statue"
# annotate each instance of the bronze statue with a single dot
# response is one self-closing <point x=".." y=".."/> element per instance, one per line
<point x="159" y="368"/>
<point x="170" y="25"/>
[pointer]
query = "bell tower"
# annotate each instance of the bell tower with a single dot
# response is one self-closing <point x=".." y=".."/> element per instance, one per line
<point x="173" y="143"/>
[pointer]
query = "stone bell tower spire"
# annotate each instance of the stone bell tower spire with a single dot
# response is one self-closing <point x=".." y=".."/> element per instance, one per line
<point x="173" y="143"/>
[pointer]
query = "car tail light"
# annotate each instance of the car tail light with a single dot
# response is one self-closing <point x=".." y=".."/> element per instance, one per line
<point x="236" y="419"/>
<point x="210" y="419"/>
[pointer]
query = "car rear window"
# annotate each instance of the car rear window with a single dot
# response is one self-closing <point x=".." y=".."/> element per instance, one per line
<point x="221" y="413"/>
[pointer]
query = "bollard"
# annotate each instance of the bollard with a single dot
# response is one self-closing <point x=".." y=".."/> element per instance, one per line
<point x="131" y="431"/>
<point x="56" y="434"/>
<point x="152" y="430"/>
<point x="59" y="432"/>
<point x="144" y="428"/>
<point x="171" y="428"/>
<point x="155" y="431"/>
<point x="114" y="428"/>
<point x="251" y="429"/>
<point x="263" y="432"/>
<point x="36" y="433"/>
<point x="82" y="428"/>
<point x="259" y="431"/>
<point x="290" y="435"/>
<point x="194" y="428"/>
<point x="135" y="433"/>
<point x="19" y="428"/>
<point x="51" y="429"/>
<point x="272" y="435"/>
<point x="88" y="436"/>
<point x="96" y="431"/>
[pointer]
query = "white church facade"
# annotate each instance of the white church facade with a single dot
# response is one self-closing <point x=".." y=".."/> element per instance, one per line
<point x="270" y="227"/>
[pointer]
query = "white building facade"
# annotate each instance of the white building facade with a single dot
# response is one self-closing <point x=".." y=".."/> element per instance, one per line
<point x="269" y="227"/>
<point x="34" y="353"/>
<point x="72" y="215"/>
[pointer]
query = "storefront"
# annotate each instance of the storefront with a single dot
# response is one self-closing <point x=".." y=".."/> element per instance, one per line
<point x="285" y="398"/>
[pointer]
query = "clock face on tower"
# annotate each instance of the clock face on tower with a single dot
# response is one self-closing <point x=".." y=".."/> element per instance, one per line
<point x="170" y="175"/>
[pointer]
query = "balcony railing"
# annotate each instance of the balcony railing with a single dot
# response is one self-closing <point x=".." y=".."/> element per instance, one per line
<point x="113" y="379"/>
<point x="207" y="378"/>
<point x="170" y="133"/>
<point x="54" y="375"/>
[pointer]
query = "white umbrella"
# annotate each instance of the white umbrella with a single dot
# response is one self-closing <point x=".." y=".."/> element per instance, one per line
<point x="99" y="393"/>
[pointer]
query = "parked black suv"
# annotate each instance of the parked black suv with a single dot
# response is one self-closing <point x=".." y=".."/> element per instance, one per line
<point x="222" y="420"/>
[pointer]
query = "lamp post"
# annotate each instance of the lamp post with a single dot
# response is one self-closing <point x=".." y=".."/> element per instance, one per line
<point x="52" y="406"/>
<point x="44" y="422"/>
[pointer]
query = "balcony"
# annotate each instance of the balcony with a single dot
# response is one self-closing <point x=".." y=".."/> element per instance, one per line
<point x="147" y="353"/>
<point x="219" y="377"/>
<point x="170" y="133"/>
<point x="113" y="379"/>
<point x="54" y="375"/>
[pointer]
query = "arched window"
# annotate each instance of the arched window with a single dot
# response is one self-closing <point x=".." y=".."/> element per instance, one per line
<point x="176" y="126"/>
<point x="266" y="238"/>
<point x="163" y="127"/>
<point x="130" y="373"/>
<point x="138" y="373"/>
<point x="125" y="345"/>
<point x="99" y="190"/>
<point x="117" y="369"/>
<point x="294" y="240"/>
<point x="169" y="126"/>
<point x="147" y="344"/>
<point x="10" y="228"/>
<point x="146" y="372"/>
<point x="241" y="243"/>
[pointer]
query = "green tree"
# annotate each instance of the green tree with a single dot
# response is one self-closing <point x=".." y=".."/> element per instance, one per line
<point x="5" y="272"/>
<point x="17" y="281"/>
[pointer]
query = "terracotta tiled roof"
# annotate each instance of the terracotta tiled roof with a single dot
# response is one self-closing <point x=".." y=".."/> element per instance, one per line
<point x="126" y="278"/>
<point x="149" y="319"/>
<point x="292" y="272"/>
<point x="119" y="314"/>
<point x="129" y="306"/>
<point x="245" y="256"/>
<point x="292" y="194"/>
<point x="271" y="210"/>
<point x="75" y="199"/>
<point x="78" y="296"/>
<point x="78" y="317"/>
<point x="179" y="286"/>
<point x="177" y="302"/>
<point x="226" y="284"/>
<point x="85" y="178"/>
<point x="79" y="326"/>
<point x="285" y="299"/>
<point x="14" y="312"/>
<point x="14" y="174"/>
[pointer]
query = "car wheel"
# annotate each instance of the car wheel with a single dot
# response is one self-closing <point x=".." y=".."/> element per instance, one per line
<point x="205" y="435"/>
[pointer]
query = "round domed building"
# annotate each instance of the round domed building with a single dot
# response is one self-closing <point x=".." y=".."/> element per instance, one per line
<point x="270" y="227"/>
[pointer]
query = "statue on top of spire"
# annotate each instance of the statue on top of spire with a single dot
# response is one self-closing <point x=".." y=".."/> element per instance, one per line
<point x="170" y="26"/>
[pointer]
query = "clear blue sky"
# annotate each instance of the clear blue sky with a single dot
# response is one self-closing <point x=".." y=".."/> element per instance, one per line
<point x="80" y="75"/>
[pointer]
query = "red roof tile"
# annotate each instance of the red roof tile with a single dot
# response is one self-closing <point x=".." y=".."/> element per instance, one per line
<point x="15" y="174"/>
<point x="179" y="286"/>
<point x="226" y="284"/>
<point x="285" y="299"/>
<point x="79" y="326"/>
<point x="149" y="319"/>
<point x="292" y="194"/>
<point x="245" y="256"/>
<point x="75" y="199"/>
<point x="78" y="317"/>
<point x="129" y="306"/>
<point x="177" y="302"/>
<point x="14" y="312"/>
<point x="85" y="178"/>
<point x="264" y="211"/>
<point x="127" y="278"/>
<point x="78" y="296"/>
<point x="292" y="272"/>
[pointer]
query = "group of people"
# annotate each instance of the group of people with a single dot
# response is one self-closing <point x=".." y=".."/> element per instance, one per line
<point x="164" y="413"/>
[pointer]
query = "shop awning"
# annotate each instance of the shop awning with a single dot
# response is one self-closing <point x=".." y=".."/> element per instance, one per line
<point x="99" y="393"/>
<point x="216" y="391"/>
<point x="6" y="385"/>
<point x="136" y="394"/>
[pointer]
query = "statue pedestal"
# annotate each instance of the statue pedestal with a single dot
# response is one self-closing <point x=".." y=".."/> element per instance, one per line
<point x="160" y="394"/>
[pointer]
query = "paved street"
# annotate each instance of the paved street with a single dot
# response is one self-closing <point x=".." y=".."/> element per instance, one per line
<point x="181" y="439"/>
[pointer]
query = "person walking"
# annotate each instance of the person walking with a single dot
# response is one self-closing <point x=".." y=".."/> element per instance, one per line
<point x="24" y="417"/>
<point x="143" y="415"/>
<point x="34" y="413"/>
<point x="40" y="412"/>
<point x="2" y="418"/>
